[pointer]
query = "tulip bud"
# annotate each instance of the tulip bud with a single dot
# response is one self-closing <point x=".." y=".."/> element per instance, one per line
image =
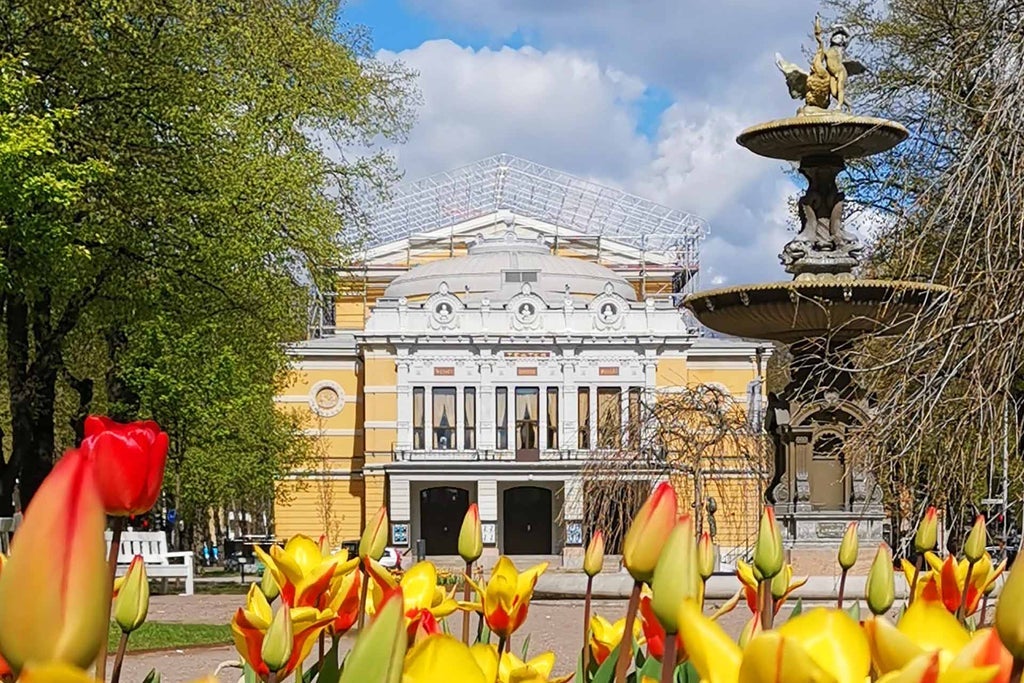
<point x="675" y="577"/>
<point x="849" y="547"/>
<point x="268" y="586"/>
<point x="780" y="582"/>
<point x="1009" y="615"/>
<point x="881" y="584"/>
<point x="277" y="644"/>
<point x="647" y="534"/>
<point x="379" y="651"/>
<point x="768" y="554"/>
<point x="750" y="629"/>
<point x="471" y="540"/>
<point x="132" y="602"/>
<point x="593" y="559"/>
<point x="375" y="536"/>
<point x="705" y="556"/>
<point x="927" y="531"/>
<point x="974" y="546"/>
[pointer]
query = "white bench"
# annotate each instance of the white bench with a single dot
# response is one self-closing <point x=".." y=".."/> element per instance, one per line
<point x="152" y="545"/>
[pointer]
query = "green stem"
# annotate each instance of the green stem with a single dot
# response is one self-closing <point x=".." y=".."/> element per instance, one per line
<point x="122" y="645"/>
<point x="668" y="659"/>
<point x="917" y="573"/>
<point x="586" y="624"/>
<point x="842" y="589"/>
<point x="961" y="612"/>
<point x="501" y="649"/>
<point x="767" y="605"/>
<point x="984" y="609"/>
<point x="465" y="598"/>
<point x="362" y="596"/>
<point x="117" y="526"/>
<point x="626" y="646"/>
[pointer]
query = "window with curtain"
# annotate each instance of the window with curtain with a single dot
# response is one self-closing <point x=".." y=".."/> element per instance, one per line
<point x="444" y="417"/>
<point x="609" y="417"/>
<point x="583" y="410"/>
<point x="527" y="410"/>
<point x="418" y="431"/>
<point x="552" y="417"/>
<point x="501" y="418"/>
<point x="469" y="400"/>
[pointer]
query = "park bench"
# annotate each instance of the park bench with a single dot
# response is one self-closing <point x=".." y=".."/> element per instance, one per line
<point x="152" y="545"/>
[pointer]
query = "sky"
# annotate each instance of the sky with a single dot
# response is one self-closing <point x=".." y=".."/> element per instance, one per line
<point x="643" y="95"/>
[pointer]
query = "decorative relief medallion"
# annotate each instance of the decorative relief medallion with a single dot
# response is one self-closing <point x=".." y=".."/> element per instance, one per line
<point x="326" y="398"/>
<point x="526" y="308"/>
<point x="608" y="309"/>
<point x="443" y="308"/>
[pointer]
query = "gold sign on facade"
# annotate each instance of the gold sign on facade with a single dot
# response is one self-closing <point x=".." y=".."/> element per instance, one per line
<point x="444" y="372"/>
<point x="607" y="372"/>
<point x="526" y="372"/>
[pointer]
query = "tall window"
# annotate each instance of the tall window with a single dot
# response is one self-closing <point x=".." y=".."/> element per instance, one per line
<point x="501" y="418"/>
<point x="469" y="437"/>
<point x="583" y="408"/>
<point x="609" y="417"/>
<point x="418" y="432"/>
<point x="444" y="417"/>
<point x="552" y="417"/>
<point x="527" y="409"/>
<point x="634" y="428"/>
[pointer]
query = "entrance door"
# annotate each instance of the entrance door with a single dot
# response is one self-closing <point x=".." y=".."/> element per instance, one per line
<point x="441" y="512"/>
<point x="826" y="475"/>
<point x="527" y="521"/>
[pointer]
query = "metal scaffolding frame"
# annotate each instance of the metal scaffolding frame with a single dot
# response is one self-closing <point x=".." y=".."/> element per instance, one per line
<point x="508" y="183"/>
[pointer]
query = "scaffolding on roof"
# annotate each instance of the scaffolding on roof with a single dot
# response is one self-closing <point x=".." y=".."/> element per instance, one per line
<point x="508" y="183"/>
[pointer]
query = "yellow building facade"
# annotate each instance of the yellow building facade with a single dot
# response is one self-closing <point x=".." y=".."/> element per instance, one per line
<point x="507" y="327"/>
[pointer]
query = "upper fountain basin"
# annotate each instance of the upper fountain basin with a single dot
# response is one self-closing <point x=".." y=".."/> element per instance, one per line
<point x="828" y="134"/>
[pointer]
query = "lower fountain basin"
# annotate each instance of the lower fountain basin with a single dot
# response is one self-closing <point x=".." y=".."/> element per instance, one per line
<point x="795" y="311"/>
<point x="831" y="134"/>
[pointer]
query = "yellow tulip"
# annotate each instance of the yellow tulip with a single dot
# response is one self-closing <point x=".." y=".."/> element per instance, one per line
<point x="439" y="659"/>
<point x="56" y="673"/>
<point x="974" y="546"/>
<point x="375" y="536"/>
<point x="676" y="577"/>
<point x="927" y="531"/>
<point x="783" y="585"/>
<point x="423" y="600"/>
<point x="849" y="547"/>
<point x="646" y="536"/>
<point x="302" y="572"/>
<point x="705" y="556"/>
<point x="471" y="540"/>
<point x="593" y="559"/>
<point x="1009" y="615"/>
<point x="277" y="643"/>
<point x="605" y="637"/>
<point x="514" y="670"/>
<point x="505" y="599"/>
<point x="712" y="652"/>
<point x="132" y="602"/>
<point x="768" y="551"/>
<point x="880" y="589"/>
<point x="269" y="587"/>
<point x="946" y="581"/>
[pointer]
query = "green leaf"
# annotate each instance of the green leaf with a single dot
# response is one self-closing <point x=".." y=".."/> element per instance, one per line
<point x="152" y="677"/>
<point x="854" y="610"/>
<point x="651" y="667"/>
<point x="797" y="608"/>
<point x="526" y="648"/>
<point x="606" y="672"/>
<point x="686" y="673"/>
<point x="581" y="676"/>
<point x="485" y="634"/>
<point x="310" y="674"/>
<point x="249" y="675"/>
<point x="331" y="672"/>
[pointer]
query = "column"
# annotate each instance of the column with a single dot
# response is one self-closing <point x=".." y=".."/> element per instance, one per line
<point x="572" y="552"/>
<point x="485" y="408"/>
<point x="428" y="418"/>
<point x="624" y="417"/>
<point x="568" y="408"/>
<point x="593" y="416"/>
<point x="460" y="418"/>
<point x="404" y="398"/>
<point x="401" y="512"/>
<point x="542" y="418"/>
<point x="487" y="501"/>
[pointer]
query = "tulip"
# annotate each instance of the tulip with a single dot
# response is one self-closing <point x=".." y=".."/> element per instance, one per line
<point x="442" y="659"/>
<point x="471" y="540"/>
<point x="768" y="553"/>
<point x="379" y="651"/>
<point x="425" y="602"/>
<point x="654" y="633"/>
<point x="849" y="548"/>
<point x="269" y="587"/>
<point x="593" y="559"/>
<point x="750" y="629"/>
<point x="344" y="601"/>
<point x="881" y="584"/>
<point x="54" y="596"/>
<point x="648" y="533"/>
<point x="132" y="602"/>
<point x="250" y="625"/>
<point x="277" y="643"/>
<point x="927" y="531"/>
<point x="947" y="582"/>
<point x="505" y="599"/>
<point x="606" y="636"/>
<point x="128" y="461"/>
<point x="375" y="536"/>
<point x="676" y="577"/>
<point x="712" y="652"/>
<point x="974" y="546"/>
<point x="301" y="572"/>
<point x="705" y="556"/>
<point x="782" y="586"/>
<point x="56" y="673"/>
<point x="511" y="669"/>
<point x="1009" y="615"/>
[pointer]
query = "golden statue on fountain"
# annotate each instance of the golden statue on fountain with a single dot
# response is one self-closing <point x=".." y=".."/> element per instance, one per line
<point x="827" y="78"/>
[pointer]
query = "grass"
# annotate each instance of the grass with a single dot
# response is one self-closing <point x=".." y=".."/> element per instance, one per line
<point x="167" y="636"/>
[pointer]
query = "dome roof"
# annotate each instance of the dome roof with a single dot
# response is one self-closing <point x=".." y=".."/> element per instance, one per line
<point x="498" y="268"/>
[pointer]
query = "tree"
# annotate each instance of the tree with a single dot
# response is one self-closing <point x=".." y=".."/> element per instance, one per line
<point x="210" y="148"/>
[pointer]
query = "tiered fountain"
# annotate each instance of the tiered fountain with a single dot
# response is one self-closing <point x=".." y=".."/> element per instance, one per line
<point x="816" y="486"/>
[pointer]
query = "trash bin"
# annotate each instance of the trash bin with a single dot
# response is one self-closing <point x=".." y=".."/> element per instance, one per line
<point x="421" y="549"/>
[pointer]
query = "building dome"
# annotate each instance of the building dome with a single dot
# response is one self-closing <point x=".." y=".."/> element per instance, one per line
<point x="498" y="269"/>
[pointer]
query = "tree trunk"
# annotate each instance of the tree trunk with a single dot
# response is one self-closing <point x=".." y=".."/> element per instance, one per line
<point x="20" y="399"/>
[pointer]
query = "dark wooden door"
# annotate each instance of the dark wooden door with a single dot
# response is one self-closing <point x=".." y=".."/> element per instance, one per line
<point x="441" y="512"/>
<point x="527" y="521"/>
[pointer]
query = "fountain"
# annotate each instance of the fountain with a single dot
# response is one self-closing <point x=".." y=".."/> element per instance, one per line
<point x="816" y="488"/>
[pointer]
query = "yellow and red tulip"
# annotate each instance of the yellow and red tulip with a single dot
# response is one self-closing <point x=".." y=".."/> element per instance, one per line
<point x="1009" y="615"/>
<point x="649" y="531"/>
<point x="783" y="585"/>
<point x="768" y="551"/>
<point x="55" y="591"/>
<point x="439" y="659"/>
<point x="974" y="546"/>
<point x="927" y="531"/>
<point x="705" y="556"/>
<point x="132" y="602"/>
<point x="654" y="632"/>
<point x="511" y="669"/>
<point x="344" y="601"/>
<point x="593" y="558"/>
<point x="379" y="652"/>
<point x="880" y="590"/>
<point x="471" y="540"/>
<point x="946" y="581"/>
<point x="676" y="577"/>
<point x="423" y="600"/>
<point x="505" y="598"/>
<point x="302" y="572"/>
<point x="375" y="536"/>
<point x="849" y="547"/>
<point x="605" y="637"/>
<point x="250" y="624"/>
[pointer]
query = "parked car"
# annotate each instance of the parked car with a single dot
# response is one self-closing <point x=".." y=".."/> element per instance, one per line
<point x="391" y="559"/>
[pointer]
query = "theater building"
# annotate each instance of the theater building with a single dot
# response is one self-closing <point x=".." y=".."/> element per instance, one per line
<point x="499" y="332"/>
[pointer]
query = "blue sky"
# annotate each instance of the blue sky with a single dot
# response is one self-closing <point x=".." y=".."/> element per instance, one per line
<point x="644" y="95"/>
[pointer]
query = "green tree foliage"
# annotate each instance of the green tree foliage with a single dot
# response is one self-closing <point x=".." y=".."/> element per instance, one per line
<point x="195" y="167"/>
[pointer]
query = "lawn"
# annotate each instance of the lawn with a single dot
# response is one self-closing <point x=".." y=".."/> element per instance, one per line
<point x="168" y="636"/>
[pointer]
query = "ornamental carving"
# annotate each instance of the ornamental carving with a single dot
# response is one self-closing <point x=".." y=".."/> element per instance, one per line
<point x="443" y="309"/>
<point x="326" y="398"/>
<point x="608" y="309"/>
<point x="526" y="308"/>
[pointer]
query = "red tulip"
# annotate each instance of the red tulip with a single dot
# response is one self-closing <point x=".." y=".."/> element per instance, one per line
<point x="129" y="463"/>
<point x="654" y="633"/>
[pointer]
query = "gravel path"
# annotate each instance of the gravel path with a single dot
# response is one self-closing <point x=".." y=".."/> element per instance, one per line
<point x="553" y="625"/>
